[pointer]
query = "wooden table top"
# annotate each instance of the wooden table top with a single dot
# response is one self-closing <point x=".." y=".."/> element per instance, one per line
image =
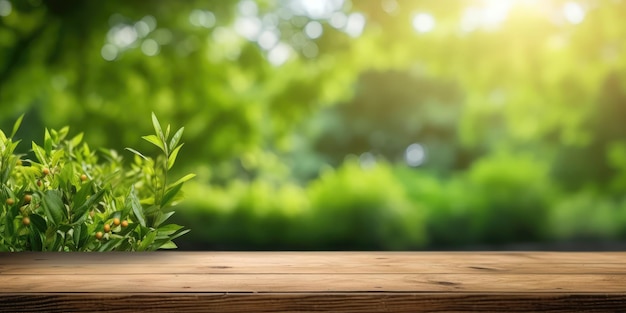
<point x="313" y="281"/>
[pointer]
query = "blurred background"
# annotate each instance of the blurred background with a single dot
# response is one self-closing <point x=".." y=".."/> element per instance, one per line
<point x="352" y="125"/>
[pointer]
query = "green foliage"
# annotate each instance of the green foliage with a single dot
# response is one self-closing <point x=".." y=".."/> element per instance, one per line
<point x="67" y="199"/>
<point x="519" y="76"/>
<point x="587" y="216"/>
<point x="247" y="215"/>
<point x="503" y="198"/>
<point x="371" y="213"/>
<point x="512" y="197"/>
<point x="347" y="208"/>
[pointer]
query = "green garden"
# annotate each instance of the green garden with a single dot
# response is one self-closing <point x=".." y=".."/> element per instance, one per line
<point x="327" y="124"/>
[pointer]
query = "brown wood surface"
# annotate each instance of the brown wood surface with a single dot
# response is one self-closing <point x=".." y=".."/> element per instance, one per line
<point x="313" y="281"/>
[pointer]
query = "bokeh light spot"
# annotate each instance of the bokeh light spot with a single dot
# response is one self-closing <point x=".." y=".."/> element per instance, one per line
<point x="313" y="29"/>
<point x="122" y="36"/>
<point x="5" y="8"/>
<point x="573" y="12"/>
<point x="248" y="8"/>
<point x="268" y="39"/>
<point x="109" y="52"/>
<point x="279" y="54"/>
<point x="355" y="24"/>
<point x="423" y="22"/>
<point x="310" y="50"/>
<point x="150" y="47"/>
<point x="338" y="20"/>
<point x="415" y="155"/>
<point x="367" y="160"/>
<point x="248" y="27"/>
<point x="389" y="6"/>
<point x="201" y="18"/>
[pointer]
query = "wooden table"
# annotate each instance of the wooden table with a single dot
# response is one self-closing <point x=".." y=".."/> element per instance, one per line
<point x="312" y="281"/>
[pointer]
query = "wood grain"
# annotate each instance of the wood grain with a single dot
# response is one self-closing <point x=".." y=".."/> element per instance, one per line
<point x="312" y="281"/>
<point x="315" y="302"/>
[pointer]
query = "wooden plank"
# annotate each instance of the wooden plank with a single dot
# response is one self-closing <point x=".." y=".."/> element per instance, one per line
<point x="312" y="262"/>
<point x="325" y="258"/>
<point x="312" y="281"/>
<point x="318" y="302"/>
<point x="313" y="268"/>
<point x="583" y="283"/>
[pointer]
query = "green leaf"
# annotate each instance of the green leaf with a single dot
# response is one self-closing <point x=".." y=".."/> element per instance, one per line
<point x="172" y="158"/>
<point x="169" y="229"/>
<point x="36" y="242"/>
<point x="137" y="153"/>
<point x="6" y="174"/>
<point x="158" y="130"/>
<point x="110" y="244"/>
<point x="155" y="141"/>
<point x="76" y="140"/>
<point x="39" y="153"/>
<point x="56" y="157"/>
<point x="179" y="233"/>
<point x="182" y="180"/>
<point x="176" y="138"/>
<point x="163" y="218"/>
<point x="167" y="245"/>
<point x="38" y="222"/>
<point x="17" y="124"/>
<point x="170" y="194"/>
<point x="47" y="143"/>
<point x="53" y="206"/>
<point x="147" y="241"/>
<point x="57" y="243"/>
<point x="76" y="235"/>
<point x="81" y="195"/>
<point x="80" y="213"/>
<point x="137" y="210"/>
<point x="128" y="230"/>
<point x="62" y="133"/>
<point x="9" y="225"/>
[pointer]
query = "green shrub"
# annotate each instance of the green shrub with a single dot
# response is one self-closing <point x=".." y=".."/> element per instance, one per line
<point x="364" y="208"/>
<point x="68" y="199"/>
<point x="512" y="197"/>
<point x="348" y="208"/>
<point x="586" y="216"/>
<point x="257" y="215"/>
<point x="447" y="205"/>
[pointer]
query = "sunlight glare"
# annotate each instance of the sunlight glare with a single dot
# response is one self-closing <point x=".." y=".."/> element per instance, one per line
<point x="573" y="12"/>
<point x="320" y="9"/>
<point x="487" y="16"/>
